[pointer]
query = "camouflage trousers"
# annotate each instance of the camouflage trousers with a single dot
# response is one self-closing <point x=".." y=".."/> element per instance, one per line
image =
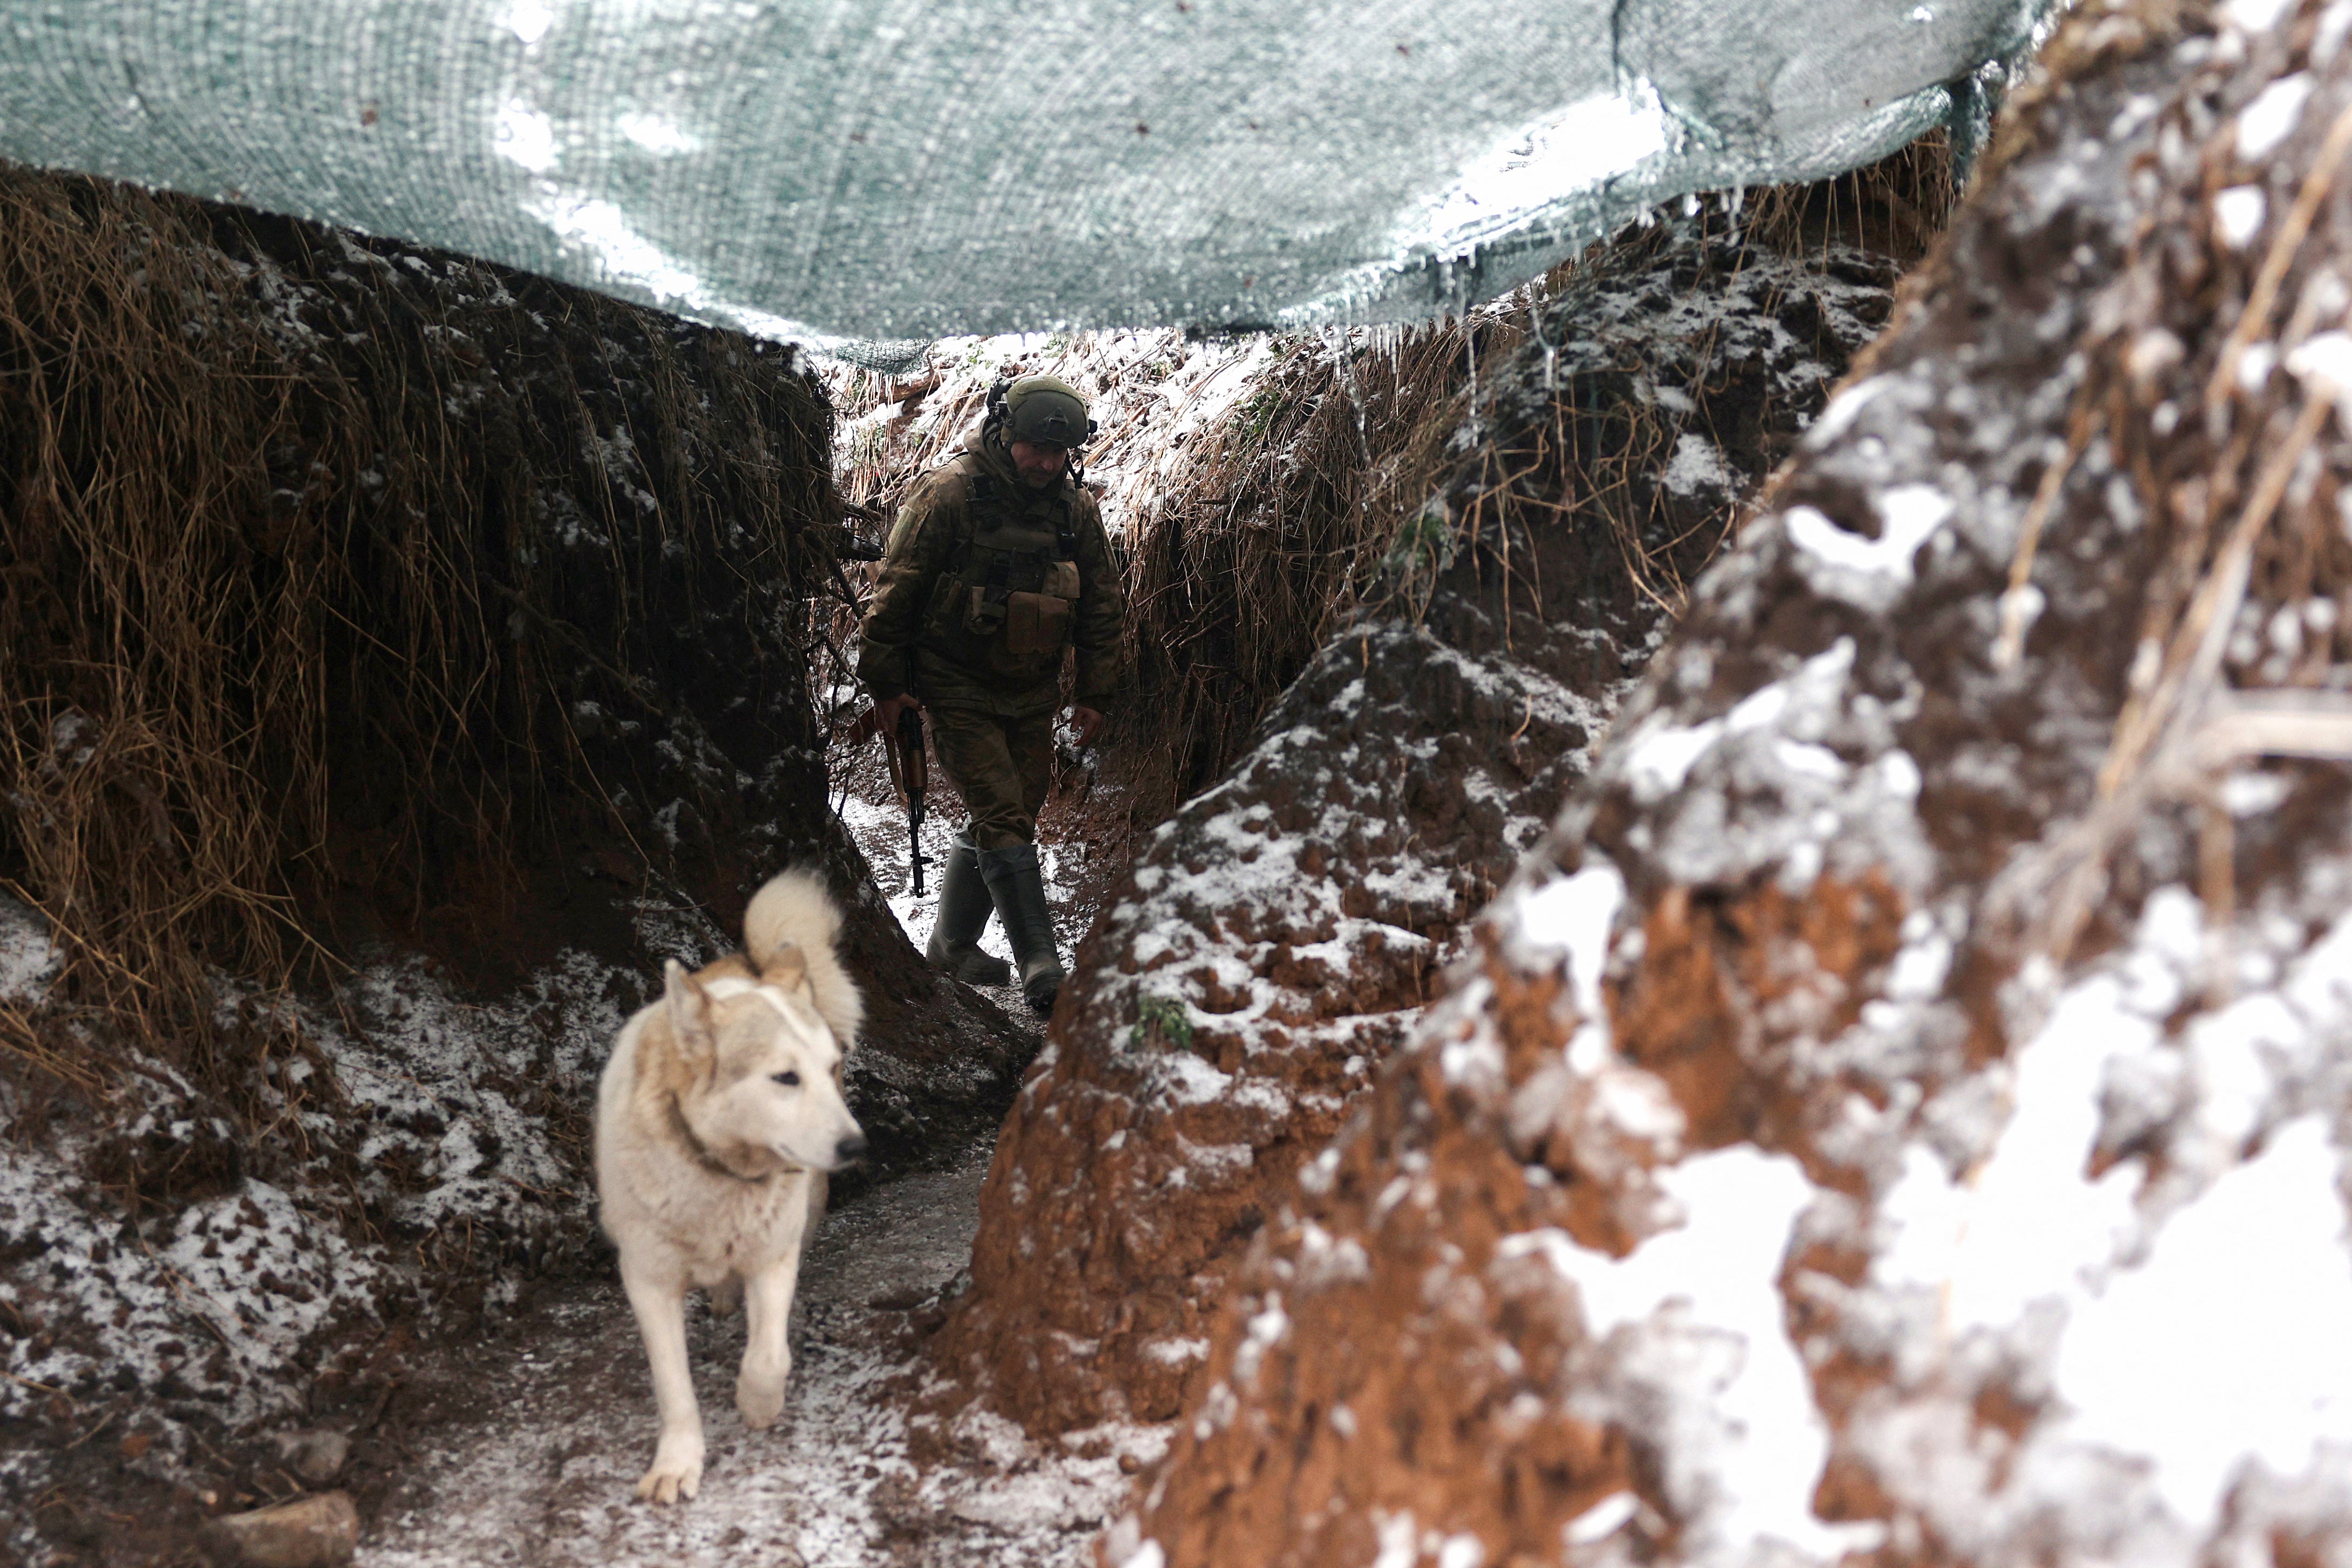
<point x="1002" y="767"/>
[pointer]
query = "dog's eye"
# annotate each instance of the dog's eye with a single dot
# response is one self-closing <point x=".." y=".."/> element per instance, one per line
<point x="789" y="1079"/>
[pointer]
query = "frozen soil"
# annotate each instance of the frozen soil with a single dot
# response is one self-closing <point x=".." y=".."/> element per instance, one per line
<point x="525" y="1446"/>
<point x="1899" y="1115"/>
<point x="1279" y="936"/>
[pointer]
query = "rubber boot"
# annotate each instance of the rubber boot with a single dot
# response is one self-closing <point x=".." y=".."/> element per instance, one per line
<point x="964" y="905"/>
<point x="1019" y="890"/>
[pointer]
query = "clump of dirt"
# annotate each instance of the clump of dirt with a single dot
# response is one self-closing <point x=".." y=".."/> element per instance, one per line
<point x="1279" y="936"/>
<point x="1899" y="1112"/>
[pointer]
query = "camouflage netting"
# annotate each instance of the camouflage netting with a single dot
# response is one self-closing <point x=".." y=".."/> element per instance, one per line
<point x="894" y="171"/>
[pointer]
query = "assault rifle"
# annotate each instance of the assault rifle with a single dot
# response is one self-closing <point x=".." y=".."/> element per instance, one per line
<point x="908" y="772"/>
<point x="914" y="777"/>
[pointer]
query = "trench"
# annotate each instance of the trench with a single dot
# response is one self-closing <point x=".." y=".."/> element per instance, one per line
<point x="525" y="1449"/>
<point x="510" y="1424"/>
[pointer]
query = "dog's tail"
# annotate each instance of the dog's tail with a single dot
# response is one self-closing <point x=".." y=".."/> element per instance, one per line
<point x="793" y="910"/>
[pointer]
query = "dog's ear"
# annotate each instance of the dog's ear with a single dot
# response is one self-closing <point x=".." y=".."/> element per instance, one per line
<point x="689" y="1006"/>
<point x="787" y="968"/>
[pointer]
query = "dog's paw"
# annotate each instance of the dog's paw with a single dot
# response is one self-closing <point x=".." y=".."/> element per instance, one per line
<point x="759" y="1400"/>
<point x="677" y="1473"/>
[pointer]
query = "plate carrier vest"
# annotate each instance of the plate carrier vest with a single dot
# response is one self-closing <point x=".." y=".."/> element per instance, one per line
<point x="1006" y="600"/>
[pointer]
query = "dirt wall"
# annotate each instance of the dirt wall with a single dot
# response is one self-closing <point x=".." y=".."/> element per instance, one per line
<point x="1279" y="938"/>
<point x="400" y="657"/>
<point x="1898" y="1115"/>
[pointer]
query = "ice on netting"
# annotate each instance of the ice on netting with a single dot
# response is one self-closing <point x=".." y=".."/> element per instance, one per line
<point x="869" y="174"/>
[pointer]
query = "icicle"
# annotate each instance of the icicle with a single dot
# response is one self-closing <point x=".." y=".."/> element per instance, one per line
<point x="1550" y="349"/>
<point x="1347" y="363"/>
<point x="1470" y="349"/>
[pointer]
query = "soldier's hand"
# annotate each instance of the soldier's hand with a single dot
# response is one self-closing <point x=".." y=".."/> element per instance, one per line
<point x="1084" y="722"/>
<point x="887" y="712"/>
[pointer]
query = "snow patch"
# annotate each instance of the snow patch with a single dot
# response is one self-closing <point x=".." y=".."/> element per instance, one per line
<point x="1751" y="1478"/>
<point x="1660" y="757"/>
<point x="524" y="136"/>
<point x="1841" y="410"/>
<point x="1697" y="469"/>
<point x="657" y="134"/>
<point x="1603" y="1519"/>
<point x="1866" y="572"/>
<point x="528" y="20"/>
<point x="1573" y="917"/>
<point x="2265" y="122"/>
<point x="1585" y="143"/>
<point x="2244" y="1299"/>
<point x="2018" y="1230"/>
<point x="29" y="959"/>
<point x="2238" y="215"/>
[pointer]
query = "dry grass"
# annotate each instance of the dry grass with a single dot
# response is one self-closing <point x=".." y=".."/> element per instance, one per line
<point x="1896" y="207"/>
<point x="293" y="600"/>
<point x="1313" y="500"/>
<point x="1289" y="509"/>
<point x="2241" y="622"/>
<point x="1310" y="499"/>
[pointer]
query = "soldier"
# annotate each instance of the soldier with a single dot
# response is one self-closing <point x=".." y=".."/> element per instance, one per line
<point x="998" y="566"/>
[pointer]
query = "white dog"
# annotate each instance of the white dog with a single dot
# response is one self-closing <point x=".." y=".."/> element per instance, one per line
<point x="717" y="1120"/>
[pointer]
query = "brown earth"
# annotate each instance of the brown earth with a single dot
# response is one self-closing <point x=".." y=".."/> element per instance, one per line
<point x="404" y="656"/>
<point x="1277" y="939"/>
<point x="480" y="627"/>
<point x="1840" y="863"/>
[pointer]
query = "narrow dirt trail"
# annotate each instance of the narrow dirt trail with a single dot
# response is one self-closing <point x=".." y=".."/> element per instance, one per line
<point x="529" y="1448"/>
<point x="525" y="1448"/>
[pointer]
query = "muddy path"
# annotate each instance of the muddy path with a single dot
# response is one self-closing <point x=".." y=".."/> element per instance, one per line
<point x="525" y="1449"/>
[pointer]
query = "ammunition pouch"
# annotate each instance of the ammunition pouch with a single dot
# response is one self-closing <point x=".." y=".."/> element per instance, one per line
<point x="1008" y="601"/>
<point x="983" y="612"/>
<point x="1035" y="624"/>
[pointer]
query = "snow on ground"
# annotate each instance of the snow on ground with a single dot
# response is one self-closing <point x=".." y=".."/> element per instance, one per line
<point x="871" y="809"/>
<point x="546" y="1472"/>
<point x="226" y="1307"/>
<point x="416" y="1133"/>
<point x="28" y="960"/>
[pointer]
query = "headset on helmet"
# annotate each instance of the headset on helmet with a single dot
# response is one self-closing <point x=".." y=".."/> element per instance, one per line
<point x="1045" y="411"/>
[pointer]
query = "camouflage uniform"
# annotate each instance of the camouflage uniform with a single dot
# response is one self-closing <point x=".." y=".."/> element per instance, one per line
<point x="986" y="582"/>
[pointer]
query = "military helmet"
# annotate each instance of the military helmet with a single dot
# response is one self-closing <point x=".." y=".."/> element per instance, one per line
<point x="1045" y="411"/>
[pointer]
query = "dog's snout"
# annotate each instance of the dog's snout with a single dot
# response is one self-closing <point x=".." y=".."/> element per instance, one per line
<point x="850" y="1149"/>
